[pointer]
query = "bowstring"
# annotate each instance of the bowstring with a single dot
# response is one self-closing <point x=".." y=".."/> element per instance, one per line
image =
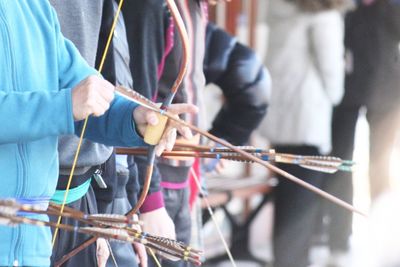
<point x="210" y="211"/>
<point x="153" y="255"/>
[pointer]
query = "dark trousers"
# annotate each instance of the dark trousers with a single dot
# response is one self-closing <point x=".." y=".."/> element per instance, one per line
<point x="296" y="212"/>
<point x="340" y="184"/>
<point x="66" y="241"/>
<point x="123" y="252"/>
<point x="383" y="123"/>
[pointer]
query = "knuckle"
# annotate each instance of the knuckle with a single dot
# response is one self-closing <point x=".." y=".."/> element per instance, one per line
<point x="110" y="98"/>
<point x="91" y="104"/>
<point x="100" y="112"/>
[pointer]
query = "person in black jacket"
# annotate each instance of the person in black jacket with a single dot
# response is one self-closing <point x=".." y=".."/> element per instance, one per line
<point x="244" y="81"/>
<point x="372" y="36"/>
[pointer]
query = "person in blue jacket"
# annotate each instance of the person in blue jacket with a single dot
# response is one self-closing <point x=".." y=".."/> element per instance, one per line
<point x="46" y="90"/>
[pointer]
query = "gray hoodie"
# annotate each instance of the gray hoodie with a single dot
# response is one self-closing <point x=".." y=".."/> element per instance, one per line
<point x="80" y="22"/>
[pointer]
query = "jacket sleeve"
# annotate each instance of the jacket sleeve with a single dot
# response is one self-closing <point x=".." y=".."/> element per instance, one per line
<point x="115" y="128"/>
<point x="36" y="110"/>
<point x="327" y="42"/>
<point x="245" y="84"/>
<point x="28" y="116"/>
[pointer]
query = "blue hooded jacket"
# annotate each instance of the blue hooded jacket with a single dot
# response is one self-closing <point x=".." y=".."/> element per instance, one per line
<point x="38" y="68"/>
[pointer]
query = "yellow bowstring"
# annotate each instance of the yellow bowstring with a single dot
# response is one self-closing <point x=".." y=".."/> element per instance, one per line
<point x="103" y="59"/>
<point x="154" y="257"/>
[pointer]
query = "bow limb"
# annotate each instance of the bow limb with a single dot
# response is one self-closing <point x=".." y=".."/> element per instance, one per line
<point x="167" y="102"/>
<point x="146" y="186"/>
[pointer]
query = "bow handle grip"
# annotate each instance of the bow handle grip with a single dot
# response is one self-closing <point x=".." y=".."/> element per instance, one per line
<point x="153" y="133"/>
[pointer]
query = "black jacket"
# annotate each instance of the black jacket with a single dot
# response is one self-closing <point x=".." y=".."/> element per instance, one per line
<point x="244" y="81"/>
<point x="372" y="37"/>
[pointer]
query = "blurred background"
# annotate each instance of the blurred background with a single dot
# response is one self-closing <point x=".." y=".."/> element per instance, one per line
<point x="373" y="241"/>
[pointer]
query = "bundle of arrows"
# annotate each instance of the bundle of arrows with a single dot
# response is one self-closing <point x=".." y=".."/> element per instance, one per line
<point x="143" y="101"/>
<point x="108" y="226"/>
<point x="325" y="164"/>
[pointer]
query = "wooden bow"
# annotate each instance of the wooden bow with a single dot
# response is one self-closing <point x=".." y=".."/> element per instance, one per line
<point x="168" y="100"/>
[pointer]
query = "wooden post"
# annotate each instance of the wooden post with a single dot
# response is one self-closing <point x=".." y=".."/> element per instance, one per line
<point x="212" y="13"/>
<point x="233" y="10"/>
<point x="253" y="16"/>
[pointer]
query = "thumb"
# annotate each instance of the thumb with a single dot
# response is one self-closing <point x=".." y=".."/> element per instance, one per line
<point x="151" y="118"/>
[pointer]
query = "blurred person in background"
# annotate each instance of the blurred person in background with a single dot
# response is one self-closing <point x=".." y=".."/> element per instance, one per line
<point x="306" y="61"/>
<point x="372" y="36"/>
<point x="373" y="80"/>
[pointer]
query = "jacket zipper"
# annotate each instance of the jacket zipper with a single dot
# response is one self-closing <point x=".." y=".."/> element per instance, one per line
<point x="22" y="172"/>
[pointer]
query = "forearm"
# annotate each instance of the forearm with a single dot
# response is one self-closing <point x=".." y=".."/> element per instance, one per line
<point x="115" y="128"/>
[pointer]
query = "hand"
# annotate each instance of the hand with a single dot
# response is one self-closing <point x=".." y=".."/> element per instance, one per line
<point x="158" y="222"/>
<point x="102" y="252"/>
<point x="144" y="116"/>
<point x="141" y="255"/>
<point x="140" y="250"/>
<point x="211" y="165"/>
<point x="91" y="96"/>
